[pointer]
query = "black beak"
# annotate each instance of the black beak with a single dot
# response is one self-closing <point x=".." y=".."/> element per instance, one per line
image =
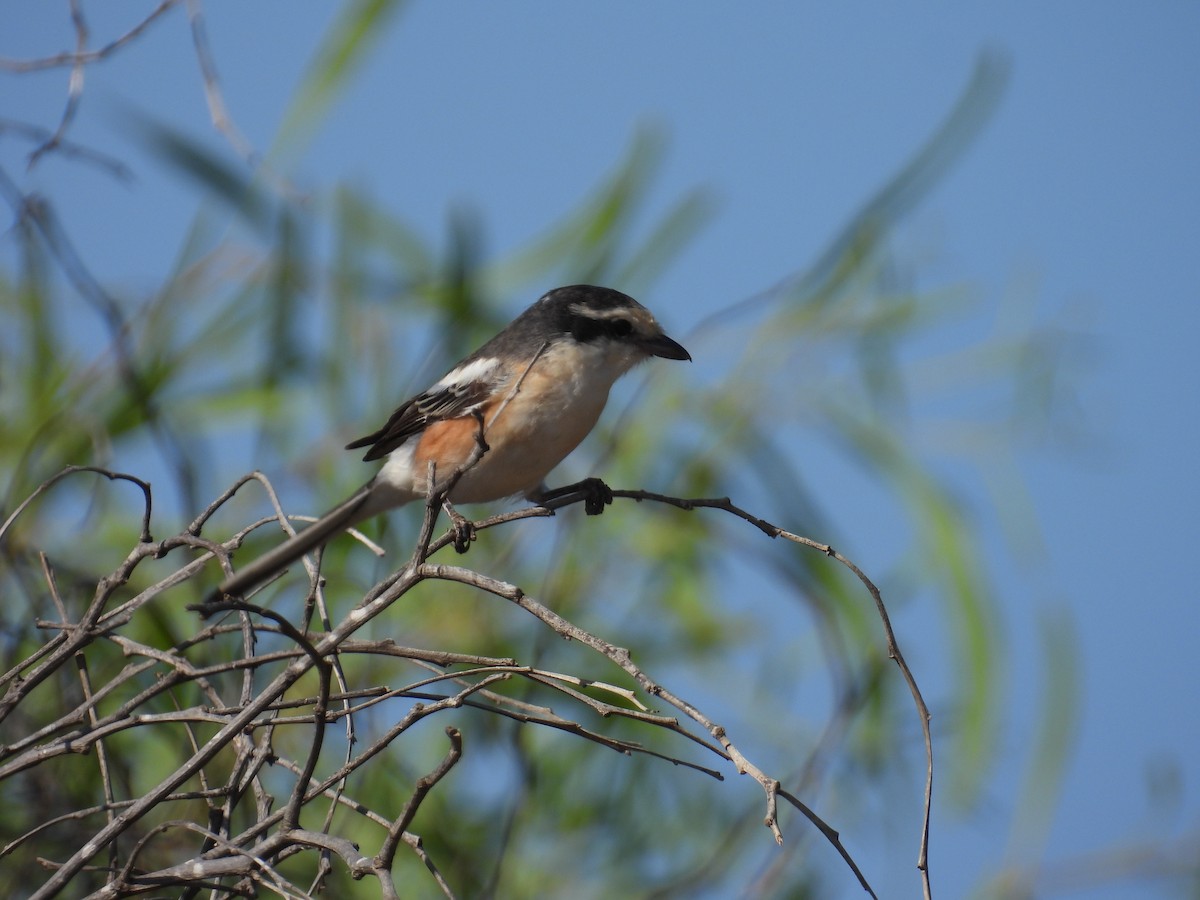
<point x="661" y="345"/>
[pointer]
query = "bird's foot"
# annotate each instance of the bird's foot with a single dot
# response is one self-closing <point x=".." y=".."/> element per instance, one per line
<point x="595" y="493"/>
<point x="464" y="528"/>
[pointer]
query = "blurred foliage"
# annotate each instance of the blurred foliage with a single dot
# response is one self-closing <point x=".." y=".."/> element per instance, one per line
<point x="289" y="327"/>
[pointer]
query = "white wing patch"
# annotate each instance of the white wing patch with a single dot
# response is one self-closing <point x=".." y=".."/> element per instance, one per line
<point x="458" y="378"/>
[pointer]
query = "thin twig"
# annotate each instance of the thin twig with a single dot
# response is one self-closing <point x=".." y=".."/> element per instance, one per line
<point x="74" y="85"/>
<point x="774" y="531"/>
<point x="70" y="149"/>
<point x="68" y="58"/>
<point x="218" y="111"/>
<point x="621" y="657"/>
<point x="246" y="721"/>
<point x="424" y="785"/>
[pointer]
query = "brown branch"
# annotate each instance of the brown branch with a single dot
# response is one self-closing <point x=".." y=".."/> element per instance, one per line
<point x="232" y="727"/>
<point x="774" y="531"/>
<point x="246" y="720"/>
<point x="425" y="784"/>
<point x="893" y="647"/>
<point x="621" y="657"/>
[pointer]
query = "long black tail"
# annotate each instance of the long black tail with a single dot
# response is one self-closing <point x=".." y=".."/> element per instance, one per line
<point x="315" y="535"/>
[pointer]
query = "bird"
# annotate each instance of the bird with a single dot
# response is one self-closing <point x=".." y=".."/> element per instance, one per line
<point x="526" y="398"/>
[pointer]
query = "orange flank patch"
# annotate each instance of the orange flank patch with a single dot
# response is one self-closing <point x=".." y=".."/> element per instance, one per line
<point x="449" y="443"/>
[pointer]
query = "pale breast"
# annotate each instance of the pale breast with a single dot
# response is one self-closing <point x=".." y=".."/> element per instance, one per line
<point x="549" y="413"/>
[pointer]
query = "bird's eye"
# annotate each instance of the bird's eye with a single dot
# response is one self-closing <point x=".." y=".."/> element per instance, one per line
<point x="622" y="327"/>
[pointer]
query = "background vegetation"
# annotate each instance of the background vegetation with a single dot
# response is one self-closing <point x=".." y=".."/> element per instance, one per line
<point x="289" y="321"/>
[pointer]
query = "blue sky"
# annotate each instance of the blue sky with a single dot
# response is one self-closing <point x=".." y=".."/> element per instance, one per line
<point x="1083" y="191"/>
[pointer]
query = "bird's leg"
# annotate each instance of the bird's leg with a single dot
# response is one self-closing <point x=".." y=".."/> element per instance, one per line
<point x="464" y="528"/>
<point x="596" y="495"/>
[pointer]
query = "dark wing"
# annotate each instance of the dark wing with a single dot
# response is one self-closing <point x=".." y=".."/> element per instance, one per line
<point x="461" y="392"/>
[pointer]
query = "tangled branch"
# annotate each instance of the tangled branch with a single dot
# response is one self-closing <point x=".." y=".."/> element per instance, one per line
<point x="256" y="693"/>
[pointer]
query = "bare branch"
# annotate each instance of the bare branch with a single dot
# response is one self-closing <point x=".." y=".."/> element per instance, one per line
<point x="239" y="724"/>
<point x="88" y="56"/>
<point x="217" y="109"/>
<point x="424" y="785"/>
<point x="620" y="657"/>
<point x="74" y="85"/>
<point x="70" y="149"/>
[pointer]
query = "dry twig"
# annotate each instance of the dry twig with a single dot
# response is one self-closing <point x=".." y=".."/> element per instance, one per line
<point x="244" y="715"/>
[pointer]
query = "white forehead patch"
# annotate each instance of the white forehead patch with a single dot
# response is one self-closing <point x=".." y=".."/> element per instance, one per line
<point x="582" y="309"/>
<point x="641" y="317"/>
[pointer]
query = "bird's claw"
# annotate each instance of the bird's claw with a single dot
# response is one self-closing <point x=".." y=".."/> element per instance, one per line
<point x="596" y="495"/>
<point x="464" y="528"/>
